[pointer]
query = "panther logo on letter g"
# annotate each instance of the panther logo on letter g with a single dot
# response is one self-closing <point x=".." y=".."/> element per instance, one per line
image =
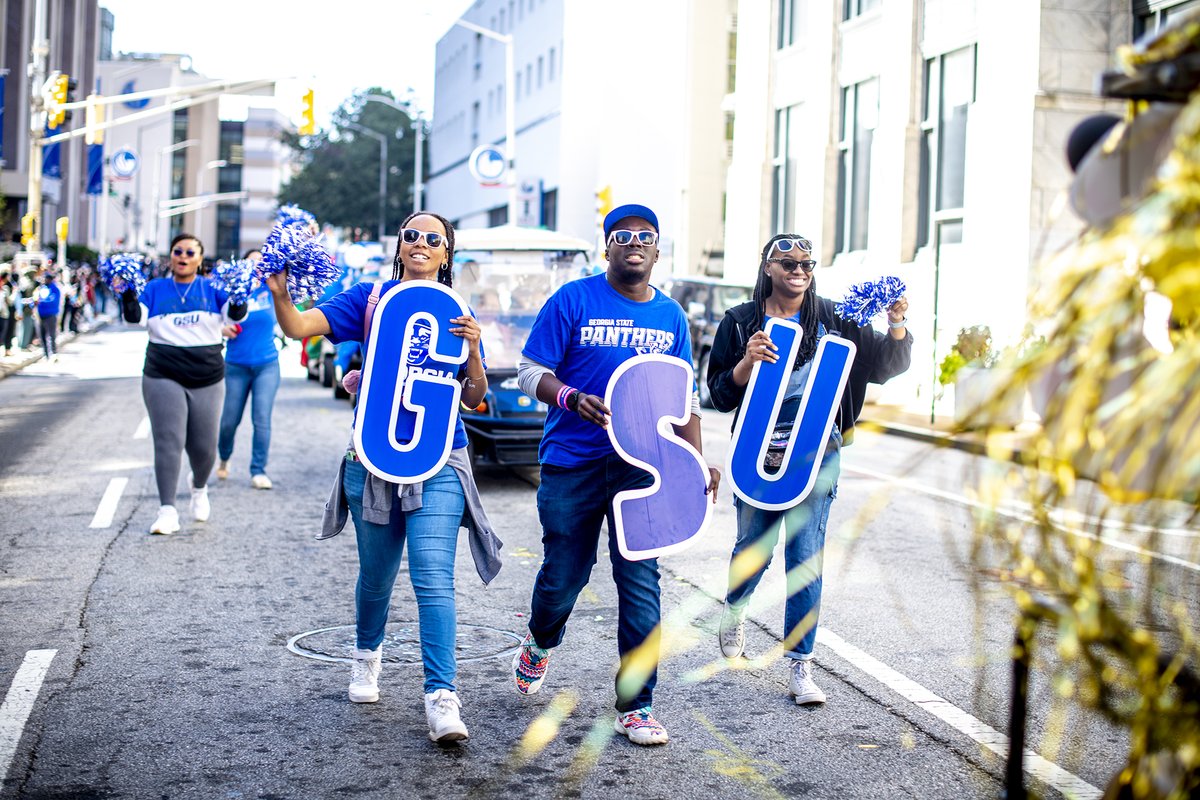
<point x="406" y="414"/>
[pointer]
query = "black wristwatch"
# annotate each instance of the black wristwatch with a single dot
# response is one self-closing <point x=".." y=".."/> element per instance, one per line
<point x="573" y="400"/>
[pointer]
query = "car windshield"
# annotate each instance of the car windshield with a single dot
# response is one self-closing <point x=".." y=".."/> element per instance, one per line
<point x="506" y="289"/>
<point x="729" y="296"/>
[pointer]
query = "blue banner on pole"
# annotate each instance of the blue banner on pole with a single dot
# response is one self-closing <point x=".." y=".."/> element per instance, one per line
<point x="2" y="88"/>
<point x="51" y="158"/>
<point x="95" y="158"/>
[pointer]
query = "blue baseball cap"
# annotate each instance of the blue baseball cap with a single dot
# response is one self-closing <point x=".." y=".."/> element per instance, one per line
<point x="625" y="212"/>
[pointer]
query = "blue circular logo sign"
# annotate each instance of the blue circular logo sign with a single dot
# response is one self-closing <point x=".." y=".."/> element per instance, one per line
<point x="124" y="163"/>
<point x="135" y="104"/>
<point x="487" y="165"/>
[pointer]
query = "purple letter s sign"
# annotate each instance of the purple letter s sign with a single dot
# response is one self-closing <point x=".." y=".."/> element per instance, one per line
<point x="646" y="395"/>
<point x="760" y="411"/>
<point x="408" y="399"/>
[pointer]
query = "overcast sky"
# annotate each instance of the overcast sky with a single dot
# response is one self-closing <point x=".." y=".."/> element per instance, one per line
<point x="335" y="48"/>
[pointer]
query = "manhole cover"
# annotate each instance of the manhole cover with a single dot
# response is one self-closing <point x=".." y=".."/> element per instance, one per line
<point x="402" y="644"/>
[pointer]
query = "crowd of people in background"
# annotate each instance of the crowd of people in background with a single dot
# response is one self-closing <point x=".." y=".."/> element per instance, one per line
<point x="39" y="302"/>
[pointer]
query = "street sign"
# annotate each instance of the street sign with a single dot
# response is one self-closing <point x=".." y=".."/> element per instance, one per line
<point x="487" y="165"/>
<point x="124" y="163"/>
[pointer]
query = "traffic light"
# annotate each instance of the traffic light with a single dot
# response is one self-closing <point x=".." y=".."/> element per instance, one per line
<point x="308" y="125"/>
<point x="61" y="226"/>
<point x="26" y="228"/>
<point x="604" y="202"/>
<point x="94" y="116"/>
<point x="55" y="113"/>
<point x="71" y="85"/>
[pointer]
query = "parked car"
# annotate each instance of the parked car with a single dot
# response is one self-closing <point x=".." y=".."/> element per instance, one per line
<point x="506" y="274"/>
<point x="705" y="300"/>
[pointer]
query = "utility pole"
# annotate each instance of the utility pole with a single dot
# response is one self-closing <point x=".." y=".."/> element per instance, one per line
<point x="37" y="123"/>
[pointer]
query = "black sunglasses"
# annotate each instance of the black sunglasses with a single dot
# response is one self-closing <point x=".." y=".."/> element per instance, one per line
<point x="178" y="251"/>
<point x="790" y="264"/>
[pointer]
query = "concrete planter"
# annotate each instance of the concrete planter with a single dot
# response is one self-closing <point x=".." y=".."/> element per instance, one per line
<point x="979" y="399"/>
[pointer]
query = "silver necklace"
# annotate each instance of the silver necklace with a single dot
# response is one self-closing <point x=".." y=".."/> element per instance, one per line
<point x="183" y="296"/>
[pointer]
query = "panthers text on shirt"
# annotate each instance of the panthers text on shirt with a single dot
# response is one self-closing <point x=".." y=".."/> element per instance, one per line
<point x="623" y="333"/>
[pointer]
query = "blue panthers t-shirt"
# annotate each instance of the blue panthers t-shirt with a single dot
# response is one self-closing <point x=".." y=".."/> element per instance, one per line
<point x="346" y="313"/>
<point x="584" y="332"/>
<point x="256" y="343"/>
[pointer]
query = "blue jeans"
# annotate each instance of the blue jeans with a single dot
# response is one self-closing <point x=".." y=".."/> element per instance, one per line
<point x="572" y="502"/>
<point x="261" y="382"/>
<point x="432" y="534"/>
<point x="803" y="552"/>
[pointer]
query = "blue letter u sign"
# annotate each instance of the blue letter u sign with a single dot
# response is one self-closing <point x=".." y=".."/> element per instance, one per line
<point x="814" y="421"/>
<point x="646" y="395"/>
<point x="408" y="400"/>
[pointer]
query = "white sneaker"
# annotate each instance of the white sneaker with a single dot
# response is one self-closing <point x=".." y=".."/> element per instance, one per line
<point x="442" y="713"/>
<point x="732" y="632"/>
<point x="802" y="686"/>
<point x="364" y="675"/>
<point x="200" y="505"/>
<point x="223" y="470"/>
<point x="260" y="481"/>
<point x="167" y="521"/>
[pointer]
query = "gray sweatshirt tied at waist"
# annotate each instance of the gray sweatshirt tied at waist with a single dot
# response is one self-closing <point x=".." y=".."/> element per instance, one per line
<point x="377" y="509"/>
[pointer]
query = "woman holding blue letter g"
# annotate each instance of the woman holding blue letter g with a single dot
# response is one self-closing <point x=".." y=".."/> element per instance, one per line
<point x="786" y="290"/>
<point x="426" y="514"/>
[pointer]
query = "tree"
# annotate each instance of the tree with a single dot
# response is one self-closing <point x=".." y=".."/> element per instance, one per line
<point x="339" y="178"/>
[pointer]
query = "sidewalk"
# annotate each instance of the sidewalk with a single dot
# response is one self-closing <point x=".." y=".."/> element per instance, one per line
<point x="903" y="421"/>
<point x="20" y="359"/>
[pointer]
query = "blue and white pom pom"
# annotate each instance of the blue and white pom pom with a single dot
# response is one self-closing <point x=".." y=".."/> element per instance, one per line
<point x="122" y="271"/>
<point x="864" y="301"/>
<point x="237" y="279"/>
<point x="310" y="268"/>
<point x="292" y="214"/>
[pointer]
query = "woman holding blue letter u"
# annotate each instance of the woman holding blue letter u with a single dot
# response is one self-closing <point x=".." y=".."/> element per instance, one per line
<point x="785" y="289"/>
<point x="426" y="514"/>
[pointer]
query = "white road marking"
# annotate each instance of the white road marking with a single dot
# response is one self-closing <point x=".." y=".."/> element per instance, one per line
<point x="1023" y="515"/>
<point x="108" y="503"/>
<point x="18" y="703"/>
<point x="143" y="429"/>
<point x="1046" y="771"/>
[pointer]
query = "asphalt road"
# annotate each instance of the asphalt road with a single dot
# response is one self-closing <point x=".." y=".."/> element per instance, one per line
<point x="172" y="674"/>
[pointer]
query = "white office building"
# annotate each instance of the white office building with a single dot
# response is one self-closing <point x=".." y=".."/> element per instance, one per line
<point x="621" y="94"/>
<point x="918" y="138"/>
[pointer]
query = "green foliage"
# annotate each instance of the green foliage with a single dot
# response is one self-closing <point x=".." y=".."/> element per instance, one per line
<point x="973" y="348"/>
<point x="339" y="178"/>
<point x="78" y="252"/>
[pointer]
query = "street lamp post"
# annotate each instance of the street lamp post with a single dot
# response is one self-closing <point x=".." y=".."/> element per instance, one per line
<point x="383" y="164"/>
<point x="200" y="191"/>
<point x="418" y="127"/>
<point x="162" y="151"/>
<point x="510" y="111"/>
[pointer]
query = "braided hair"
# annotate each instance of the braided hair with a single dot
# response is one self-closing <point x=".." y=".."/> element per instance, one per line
<point x="808" y="309"/>
<point x="445" y="274"/>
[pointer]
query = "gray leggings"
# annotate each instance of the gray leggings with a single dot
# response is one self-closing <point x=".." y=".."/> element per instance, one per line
<point x="182" y="418"/>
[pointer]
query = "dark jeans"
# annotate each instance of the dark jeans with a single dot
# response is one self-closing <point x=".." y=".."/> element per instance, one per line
<point x="572" y="503"/>
<point x="48" y="330"/>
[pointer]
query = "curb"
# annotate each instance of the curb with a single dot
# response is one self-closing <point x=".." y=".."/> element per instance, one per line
<point x="964" y="442"/>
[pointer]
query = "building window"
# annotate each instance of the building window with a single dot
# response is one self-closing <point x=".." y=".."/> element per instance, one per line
<point x="788" y="125"/>
<point x="1150" y="15"/>
<point x="541" y="69"/>
<point x="731" y="65"/>
<point x="529" y="79"/>
<point x="501" y="28"/>
<point x="474" y="124"/>
<point x="550" y="66"/>
<point x="790" y="17"/>
<point x="229" y="230"/>
<point x="949" y="91"/>
<point x="860" y="115"/>
<point x="497" y="216"/>
<point x="478" y="55"/>
<point x="550" y="209"/>
<point x="856" y="8"/>
<point x="514" y="14"/>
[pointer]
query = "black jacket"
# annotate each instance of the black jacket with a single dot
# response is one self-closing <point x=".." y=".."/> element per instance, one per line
<point x="879" y="358"/>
